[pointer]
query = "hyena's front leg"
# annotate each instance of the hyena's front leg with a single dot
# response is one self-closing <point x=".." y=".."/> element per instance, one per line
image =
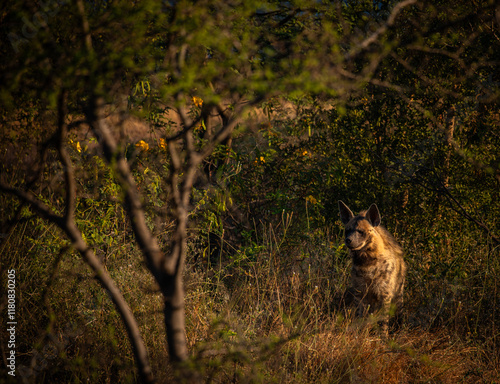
<point x="359" y="299"/>
<point x="385" y="314"/>
<point x="362" y="308"/>
<point x="399" y="297"/>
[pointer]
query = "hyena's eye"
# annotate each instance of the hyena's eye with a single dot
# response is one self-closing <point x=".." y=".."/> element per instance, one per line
<point x="361" y="232"/>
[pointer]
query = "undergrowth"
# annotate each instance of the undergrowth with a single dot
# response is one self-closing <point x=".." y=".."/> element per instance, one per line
<point x="270" y="312"/>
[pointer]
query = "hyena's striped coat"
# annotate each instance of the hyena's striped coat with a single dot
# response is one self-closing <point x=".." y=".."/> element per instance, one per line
<point x="378" y="268"/>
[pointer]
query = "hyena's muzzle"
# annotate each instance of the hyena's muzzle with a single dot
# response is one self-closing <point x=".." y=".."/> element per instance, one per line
<point x="357" y="233"/>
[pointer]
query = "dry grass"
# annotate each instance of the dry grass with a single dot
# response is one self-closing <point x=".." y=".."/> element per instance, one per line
<point x="283" y="322"/>
<point x="266" y="314"/>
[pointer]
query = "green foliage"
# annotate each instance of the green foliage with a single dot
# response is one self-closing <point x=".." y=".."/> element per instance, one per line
<point x="410" y="122"/>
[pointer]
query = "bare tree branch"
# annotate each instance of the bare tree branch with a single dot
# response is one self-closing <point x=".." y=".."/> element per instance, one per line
<point x="68" y="225"/>
<point x="74" y="234"/>
<point x="375" y="36"/>
<point x="167" y="270"/>
<point x="66" y="160"/>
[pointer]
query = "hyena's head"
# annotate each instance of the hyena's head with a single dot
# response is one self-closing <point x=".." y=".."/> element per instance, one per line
<point x="359" y="229"/>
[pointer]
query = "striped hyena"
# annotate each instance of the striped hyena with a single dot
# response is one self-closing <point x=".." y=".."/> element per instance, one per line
<point x="378" y="268"/>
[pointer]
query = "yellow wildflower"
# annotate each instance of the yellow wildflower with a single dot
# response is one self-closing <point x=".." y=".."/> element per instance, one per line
<point x="142" y="144"/>
<point x="197" y="101"/>
<point x="76" y="145"/>
<point x="200" y="127"/>
<point x="162" y="144"/>
<point x="262" y="160"/>
<point x="311" y="199"/>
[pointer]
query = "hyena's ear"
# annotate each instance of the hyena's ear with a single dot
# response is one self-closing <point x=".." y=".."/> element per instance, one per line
<point x="373" y="215"/>
<point x="345" y="213"/>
